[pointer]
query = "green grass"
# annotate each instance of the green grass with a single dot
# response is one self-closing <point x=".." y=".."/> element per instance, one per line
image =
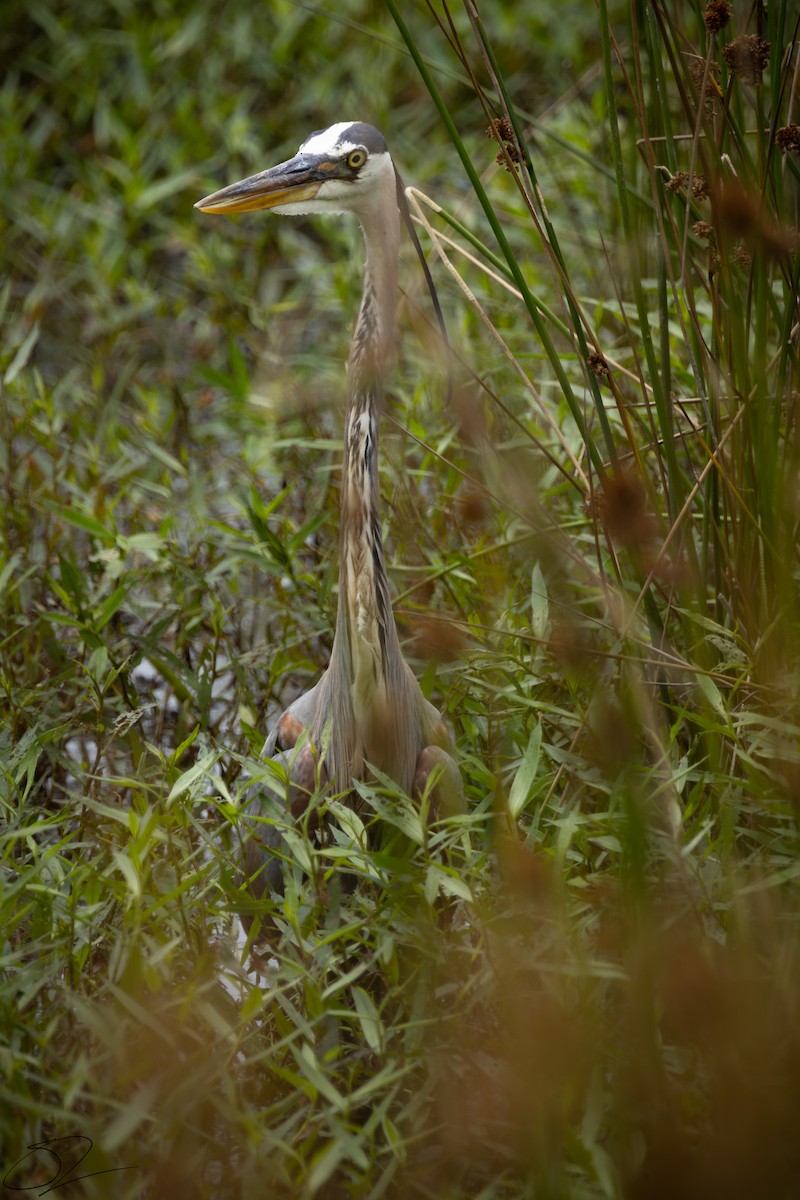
<point x="587" y="985"/>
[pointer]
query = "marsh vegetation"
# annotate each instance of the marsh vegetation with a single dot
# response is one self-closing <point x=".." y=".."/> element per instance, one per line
<point x="587" y="985"/>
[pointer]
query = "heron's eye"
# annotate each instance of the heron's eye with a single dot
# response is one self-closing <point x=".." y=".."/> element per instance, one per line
<point x="356" y="159"/>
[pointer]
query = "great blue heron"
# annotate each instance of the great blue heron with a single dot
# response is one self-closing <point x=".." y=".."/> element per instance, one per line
<point x="367" y="709"/>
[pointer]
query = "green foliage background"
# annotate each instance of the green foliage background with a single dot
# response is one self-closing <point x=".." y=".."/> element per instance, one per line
<point x="587" y="985"/>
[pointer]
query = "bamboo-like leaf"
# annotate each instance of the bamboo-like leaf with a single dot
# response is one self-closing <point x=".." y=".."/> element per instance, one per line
<point x="191" y="777"/>
<point x="526" y="774"/>
<point x="369" y="1019"/>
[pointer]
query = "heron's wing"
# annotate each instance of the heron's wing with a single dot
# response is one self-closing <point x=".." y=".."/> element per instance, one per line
<point x="292" y="721"/>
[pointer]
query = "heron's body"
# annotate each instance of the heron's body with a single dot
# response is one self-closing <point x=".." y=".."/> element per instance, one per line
<point x="367" y="709"/>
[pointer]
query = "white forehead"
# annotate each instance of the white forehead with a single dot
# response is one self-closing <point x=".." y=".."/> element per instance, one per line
<point x="328" y="142"/>
<point x="325" y="142"/>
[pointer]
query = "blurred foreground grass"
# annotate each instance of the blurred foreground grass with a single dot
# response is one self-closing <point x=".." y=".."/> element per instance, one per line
<point x="588" y="985"/>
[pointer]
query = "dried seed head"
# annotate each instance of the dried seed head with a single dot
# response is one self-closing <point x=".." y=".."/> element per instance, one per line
<point x="746" y="57"/>
<point x="512" y="153"/>
<point x="598" y="365"/>
<point x="717" y="15"/>
<point x="741" y="257"/>
<point x="594" y="506"/>
<point x="677" y="181"/>
<point x="501" y="129"/>
<point x="788" y="138"/>
<point x="681" y="178"/>
<point x="702" y="229"/>
<point x="705" y="87"/>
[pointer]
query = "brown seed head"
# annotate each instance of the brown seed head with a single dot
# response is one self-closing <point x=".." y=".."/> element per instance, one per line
<point x="788" y="138"/>
<point x="680" y="179"/>
<point x="717" y="15"/>
<point x="598" y="365"/>
<point x="705" y="86"/>
<point x="702" y="229"/>
<point x="501" y="129"/>
<point x="746" y="57"/>
<point x="594" y="505"/>
<point x="512" y="153"/>
<point x="741" y="257"/>
<point x="677" y="181"/>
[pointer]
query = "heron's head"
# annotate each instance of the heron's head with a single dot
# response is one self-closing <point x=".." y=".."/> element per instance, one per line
<point x="346" y="168"/>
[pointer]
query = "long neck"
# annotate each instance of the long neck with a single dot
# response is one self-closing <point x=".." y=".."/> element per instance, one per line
<point x="374" y="705"/>
<point x="366" y="641"/>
